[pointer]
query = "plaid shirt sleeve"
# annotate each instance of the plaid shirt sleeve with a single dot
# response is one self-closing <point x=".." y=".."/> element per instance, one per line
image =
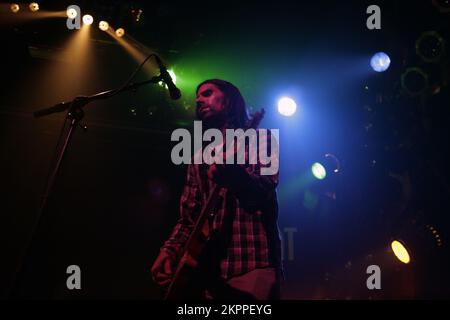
<point x="190" y="206"/>
<point x="248" y="183"/>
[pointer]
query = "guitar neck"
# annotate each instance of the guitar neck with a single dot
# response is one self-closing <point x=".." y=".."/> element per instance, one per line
<point x="208" y="209"/>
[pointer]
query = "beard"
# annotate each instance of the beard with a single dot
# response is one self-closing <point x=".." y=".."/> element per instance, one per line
<point x="212" y="119"/>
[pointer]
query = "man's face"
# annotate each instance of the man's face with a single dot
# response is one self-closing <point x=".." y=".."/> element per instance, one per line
<point x="211" y="103"/>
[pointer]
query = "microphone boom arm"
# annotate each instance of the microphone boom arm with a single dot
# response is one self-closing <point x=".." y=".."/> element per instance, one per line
<point x="81" y="101"/>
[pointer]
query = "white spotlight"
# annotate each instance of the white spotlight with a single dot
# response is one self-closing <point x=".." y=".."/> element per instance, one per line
<point x="287" y="106"/>
<point x="71" y="13"/>
<point x="88" y="19"/>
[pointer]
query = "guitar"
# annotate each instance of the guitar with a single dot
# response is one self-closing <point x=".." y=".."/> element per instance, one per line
<point x="199" y="237"/>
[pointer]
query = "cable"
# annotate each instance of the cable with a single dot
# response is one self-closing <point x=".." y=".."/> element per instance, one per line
<point x="133" y="74"/>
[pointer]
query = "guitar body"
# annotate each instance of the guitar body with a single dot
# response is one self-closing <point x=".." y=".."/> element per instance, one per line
<point x="185" y="280"/>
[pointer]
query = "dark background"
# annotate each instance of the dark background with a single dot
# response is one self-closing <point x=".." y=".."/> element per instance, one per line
<point x="116" y="198"/>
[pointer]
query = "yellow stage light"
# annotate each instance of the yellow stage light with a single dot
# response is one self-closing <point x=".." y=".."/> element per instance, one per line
<point x="120" y="32"/>
<point x="103" y="25"/>
<point x="15" y="7"/>
<point x="34" y="6"/>
<point x="400" y="251"/>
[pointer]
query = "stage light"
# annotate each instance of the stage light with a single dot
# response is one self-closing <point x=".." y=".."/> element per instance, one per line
<point x="318" y="170"/>
<point x="136" y="14"/>
<point x="34" y="6"/>
<point x="380" y="62"/>
<point x="88" y="19"/>
<point x="71" y="13"/>
<point x="172" y="75"/>
<point x="400" y="251"/>
<point x="286" y="106"/>
<point x="332" y="163"/>
<point x="120" y="32"/>
<point x="103" y="25"/>
<point x="442" y="5"/>
<point x="435" y="234"/>
<point x="414" y="81"/>
<point x="430" y="46"/>
<point x="328" y="166"/>
<point x="15" y="8"/>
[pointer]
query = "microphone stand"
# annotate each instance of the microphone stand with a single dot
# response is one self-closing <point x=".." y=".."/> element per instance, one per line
<point x="75" y="114"/>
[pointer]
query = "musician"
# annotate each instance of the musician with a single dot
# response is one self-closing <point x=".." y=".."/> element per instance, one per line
<point x="243" y="258"/>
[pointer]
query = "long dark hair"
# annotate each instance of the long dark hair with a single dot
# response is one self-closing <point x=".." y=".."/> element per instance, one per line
<point x="238" y="114"/>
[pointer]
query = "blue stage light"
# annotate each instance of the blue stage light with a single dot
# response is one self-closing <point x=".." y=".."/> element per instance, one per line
<point x="380" y="62"/>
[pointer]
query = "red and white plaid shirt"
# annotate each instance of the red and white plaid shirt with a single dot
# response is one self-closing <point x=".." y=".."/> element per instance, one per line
<point x="245" y="224"/>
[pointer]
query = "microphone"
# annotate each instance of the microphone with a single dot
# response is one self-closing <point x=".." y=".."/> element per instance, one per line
<point x="174" y="92"/>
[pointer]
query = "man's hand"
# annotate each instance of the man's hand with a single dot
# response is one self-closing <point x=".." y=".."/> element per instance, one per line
<point x="162" y="269"/>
